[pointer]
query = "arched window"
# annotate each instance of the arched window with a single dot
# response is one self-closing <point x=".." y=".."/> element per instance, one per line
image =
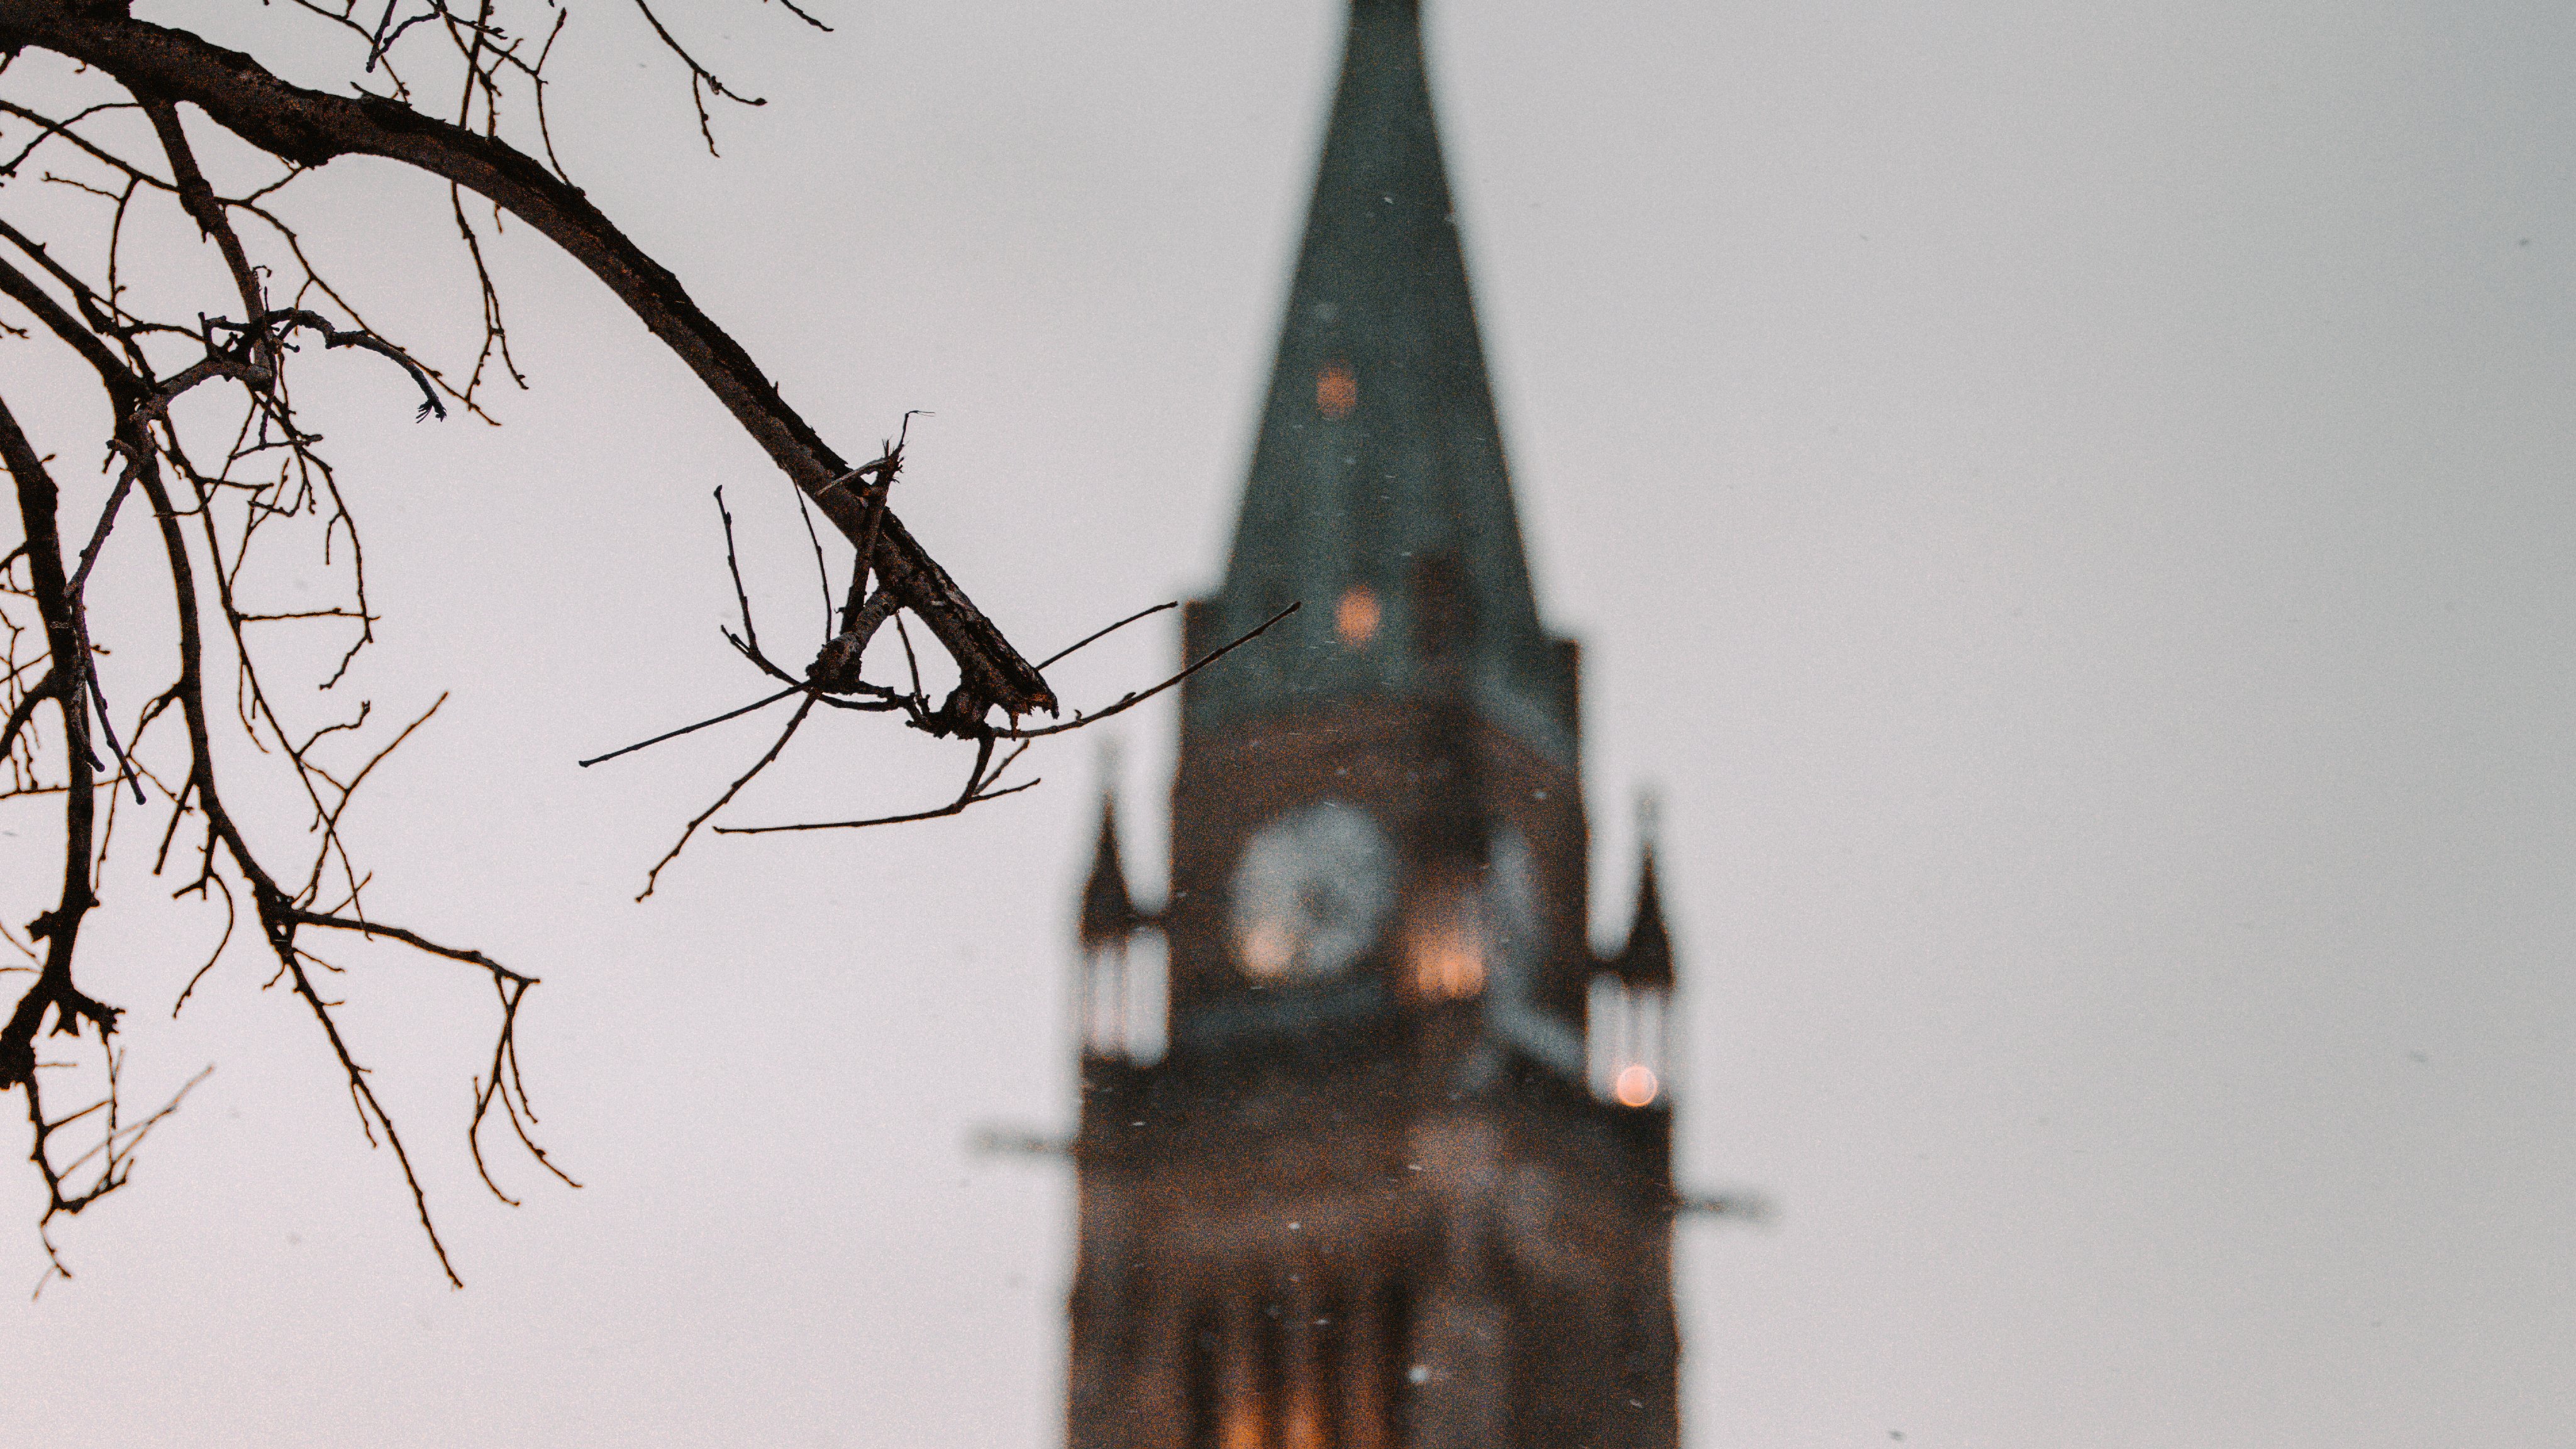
<point x="1121" y="995"/>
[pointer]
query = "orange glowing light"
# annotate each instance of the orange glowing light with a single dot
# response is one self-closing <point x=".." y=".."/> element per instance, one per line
<point x="1449" y="954"/>
<point x="1269" y="949"/>
<point x="1243" y="1426"/>
<point x="1302" y="1427"/>
<point x="1337" y="390"/>
<point x="1636" y="1085"/>
<point x="1355" y="617"/>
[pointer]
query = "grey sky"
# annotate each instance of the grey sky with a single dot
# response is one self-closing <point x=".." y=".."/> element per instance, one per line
<point x="2071" y="511"/>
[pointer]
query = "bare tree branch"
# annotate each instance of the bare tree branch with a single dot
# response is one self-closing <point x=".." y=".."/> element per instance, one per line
<point x="225" y="496"/>
<point x="655" y="874"/>
<point x="311" y="128"/>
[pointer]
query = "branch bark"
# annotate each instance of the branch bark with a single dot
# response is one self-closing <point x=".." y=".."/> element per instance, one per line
<point x="59" y="928"/>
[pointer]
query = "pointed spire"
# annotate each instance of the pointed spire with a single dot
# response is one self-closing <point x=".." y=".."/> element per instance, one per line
<point x="1108" y="913"/>
<point x="1379" y="496"/>
<point x="1647" y="959"/>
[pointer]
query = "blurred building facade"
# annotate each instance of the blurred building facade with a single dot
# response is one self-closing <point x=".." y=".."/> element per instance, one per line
<point x="1374" y="1147"/>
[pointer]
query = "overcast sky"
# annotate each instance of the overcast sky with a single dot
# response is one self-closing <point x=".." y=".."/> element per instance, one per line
<point x="2071" y="511"/>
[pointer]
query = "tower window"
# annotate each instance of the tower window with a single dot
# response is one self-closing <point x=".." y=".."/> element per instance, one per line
<point x="1355" y="617"/>
<point x="1120" y="996"/>
<point x="1448" y="946"/>
<point x="1244" y="1426"/>
<point x="1102" y="999"/>
<point x="1202" y="1350"/>
<point x="1337" y="390"/>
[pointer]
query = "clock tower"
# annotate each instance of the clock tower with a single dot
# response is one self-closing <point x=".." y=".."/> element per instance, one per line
<point x="1395" y="1172"/>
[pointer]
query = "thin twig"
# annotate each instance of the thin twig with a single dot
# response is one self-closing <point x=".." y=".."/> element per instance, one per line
<point x="1105" y="633"/>
<point x="979" y="788"/>
<point x="757" y="704"/>
<point x="655" y="874"/>
<point x="953" y="807"/>
<point x="1131" y="700"/>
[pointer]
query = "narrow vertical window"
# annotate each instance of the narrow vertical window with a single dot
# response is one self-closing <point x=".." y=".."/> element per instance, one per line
<point x="1356" y="1354"/>
<point x="1104" y="999"/>
<point x="1337" y="390"/>
<point x="1248" y="1375"/>
<point x="1446" y="943"/>
<point x="1200" y="1379"/>
<point x="1122" y="991"/>
<point x="1355" y="617"/>
<point x="1318" y="1343"/>
<point x="1149" y="995"/>
<point x="1627" y="1041"/>
<point x="1643" y="1079"/>
<point x="1399" y="1372"/>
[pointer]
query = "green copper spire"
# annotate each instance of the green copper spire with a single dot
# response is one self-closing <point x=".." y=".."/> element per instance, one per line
<point x="1378" y="493"/>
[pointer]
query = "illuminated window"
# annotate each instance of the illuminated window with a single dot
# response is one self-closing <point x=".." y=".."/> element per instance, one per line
<point x="1244" y="1426"/>
<point x="1447" y="948"/>
<point x="1355" y="617"/>
<point x="1337" y="390"/>
<point x="1310" y="1353"/>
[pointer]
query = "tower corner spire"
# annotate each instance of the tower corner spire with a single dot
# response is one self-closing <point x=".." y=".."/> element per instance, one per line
<point x="1647" y="958"/>
<point x="1108" y="912"/>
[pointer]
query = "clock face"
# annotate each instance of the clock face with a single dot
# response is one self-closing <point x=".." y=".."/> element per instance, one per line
<point x="1311" y="893"/>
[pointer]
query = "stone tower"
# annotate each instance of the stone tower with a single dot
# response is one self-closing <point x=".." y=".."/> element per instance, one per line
<point x="1399" y="1177"/>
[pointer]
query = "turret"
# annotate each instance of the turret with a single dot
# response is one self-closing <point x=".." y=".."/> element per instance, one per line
<point x="1118" y="946"/>
<point x="1108" y="913"/>
<point x="1628" y="1026"/>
